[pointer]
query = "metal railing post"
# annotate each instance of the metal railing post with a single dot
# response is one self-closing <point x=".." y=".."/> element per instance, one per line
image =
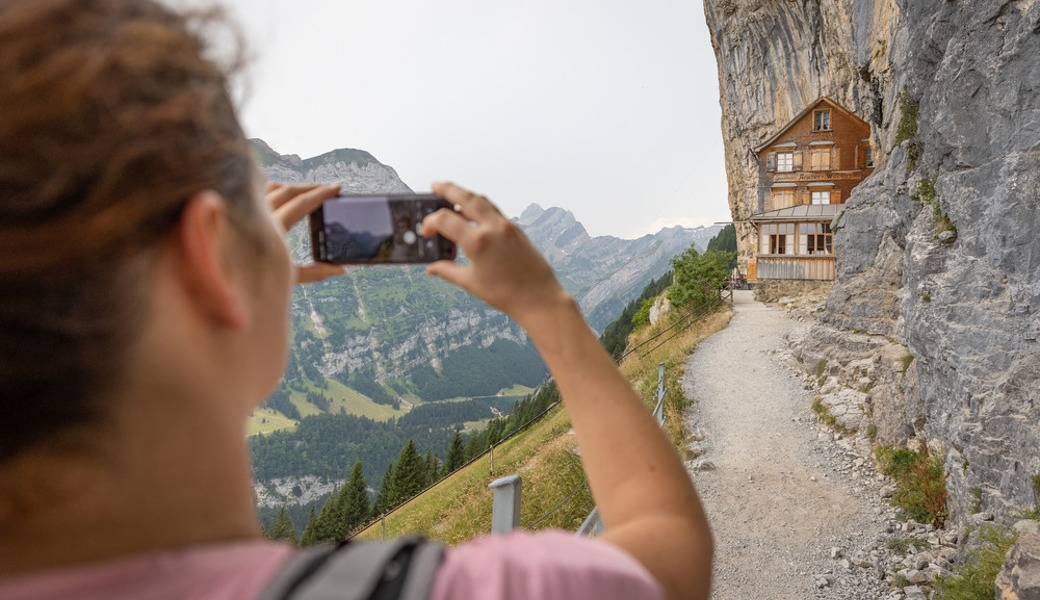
<point x="592" y="523"/>
<point x="661" y="391"/>
<point x="505" y="511"/>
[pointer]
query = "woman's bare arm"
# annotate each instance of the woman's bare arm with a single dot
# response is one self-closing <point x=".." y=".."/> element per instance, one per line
<point x="646" y="499"/>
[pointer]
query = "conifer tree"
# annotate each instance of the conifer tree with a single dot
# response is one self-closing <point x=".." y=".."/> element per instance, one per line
<point x="325" y="525"/>
<point x="352" y="507"/>
<point x="309" y="536"/>
<point x="386" y="495"/>
<point x="456" y="453"/>
<point x="409" y="473"/>
<point x="283" y="529"/>
<point x="430" y="468"/>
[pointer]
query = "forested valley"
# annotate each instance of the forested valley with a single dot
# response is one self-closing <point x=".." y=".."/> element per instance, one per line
<point x="426" y="443"/>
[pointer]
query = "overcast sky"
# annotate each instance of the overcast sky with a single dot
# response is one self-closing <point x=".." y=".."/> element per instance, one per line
<point x="608" y="108"/>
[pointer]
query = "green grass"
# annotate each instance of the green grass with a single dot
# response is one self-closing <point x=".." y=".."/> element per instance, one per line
<point x="266" y="420"/>
<point x="925" y="190"/>
<point x="459" y="508"/>
<point x="824" y="415"/>
<point x="909" y="107"/>
<point x="342" y="399"/>
<point x="900" y="545"/>
<point x="976" y="500"/>
<point x="975" y="580"/>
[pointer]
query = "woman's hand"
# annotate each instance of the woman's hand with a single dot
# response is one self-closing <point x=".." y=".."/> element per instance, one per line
<point x="290" y="204"/>
<point x="505" y="269"/>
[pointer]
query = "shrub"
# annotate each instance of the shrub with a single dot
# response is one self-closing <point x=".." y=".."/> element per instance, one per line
<point x="920" y="483"/>
<point x="642" y="316"/>
<point x="698" y="278"/>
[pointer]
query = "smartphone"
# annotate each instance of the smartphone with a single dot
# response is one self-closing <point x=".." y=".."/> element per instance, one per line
<point x="367" y="229"/>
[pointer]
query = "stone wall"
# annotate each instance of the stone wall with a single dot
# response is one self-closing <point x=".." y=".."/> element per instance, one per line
<point x="938" y="281"/>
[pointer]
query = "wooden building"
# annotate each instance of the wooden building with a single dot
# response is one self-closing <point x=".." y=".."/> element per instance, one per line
<point x="806" y="171"/>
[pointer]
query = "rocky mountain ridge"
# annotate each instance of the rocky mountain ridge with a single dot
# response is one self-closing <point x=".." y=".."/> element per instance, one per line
<point x="930" y="331"/>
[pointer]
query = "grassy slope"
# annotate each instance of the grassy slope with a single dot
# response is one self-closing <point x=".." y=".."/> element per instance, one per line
<point x="345" y="399"/>
<point x="459" y="507"/>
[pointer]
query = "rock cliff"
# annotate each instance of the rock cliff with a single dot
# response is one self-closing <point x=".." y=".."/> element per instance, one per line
<point x="933" y="320"/>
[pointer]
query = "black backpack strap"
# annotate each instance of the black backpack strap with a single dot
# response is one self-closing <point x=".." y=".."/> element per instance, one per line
<point x="399" y="569"/>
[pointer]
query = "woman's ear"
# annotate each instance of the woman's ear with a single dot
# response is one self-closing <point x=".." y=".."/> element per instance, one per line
<point x="203" y="241"/>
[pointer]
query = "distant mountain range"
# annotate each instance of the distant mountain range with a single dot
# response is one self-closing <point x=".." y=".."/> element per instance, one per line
<point x="396" y="325"/>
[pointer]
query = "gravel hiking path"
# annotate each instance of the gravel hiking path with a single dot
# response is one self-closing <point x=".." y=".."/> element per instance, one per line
<point x="773" y="485"/>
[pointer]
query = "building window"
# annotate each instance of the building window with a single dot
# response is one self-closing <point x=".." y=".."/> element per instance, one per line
<point x="869" y="152"/>
<point x="821" y="158"/>
<point x="776" y="238"/>
<point x="821" y="197"/>
<point x="822" y="120"/>
<point x="815" y="239"/>
<point x="785" y="162"/>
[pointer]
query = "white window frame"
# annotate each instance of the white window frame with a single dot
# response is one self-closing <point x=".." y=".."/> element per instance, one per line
<point x="821" y="197"/>
<point x="785" y="162"/>
<point x="822" y="115"/>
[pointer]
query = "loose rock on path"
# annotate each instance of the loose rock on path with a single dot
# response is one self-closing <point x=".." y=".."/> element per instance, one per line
<point x="790" y="518"/>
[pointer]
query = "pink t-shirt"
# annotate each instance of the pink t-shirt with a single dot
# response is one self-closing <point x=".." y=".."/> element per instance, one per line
<point x="519" y="566"/>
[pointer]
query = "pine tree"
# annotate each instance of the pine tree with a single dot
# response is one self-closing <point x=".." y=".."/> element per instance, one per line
<point x="325" y="526"/>
<point x="409" y="473"/>
<point x="352" y="507"/>
<point x="456" y="453"/>
<point x="310" y="535"/>
<point x="430" y="470"/>
<point x="385" y="499"/>
<point x="283" y="529"/>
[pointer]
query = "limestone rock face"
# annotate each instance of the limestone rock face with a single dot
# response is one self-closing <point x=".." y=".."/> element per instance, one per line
<point x="1019" y="579"/>
<point x="951" y="276"/>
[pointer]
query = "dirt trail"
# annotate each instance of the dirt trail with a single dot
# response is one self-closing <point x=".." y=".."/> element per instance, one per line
<point x="775" y="498"/>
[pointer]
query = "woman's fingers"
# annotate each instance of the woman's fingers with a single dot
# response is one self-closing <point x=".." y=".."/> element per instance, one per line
<point x="277" y="194"/>
<point x="289" y="205"/>
<point x="314" y="272"/>
<point x="450" y="224"/>
<point x="296" y="202"/>
<point x="450" y="271"/>
<point x="473" y="206"/>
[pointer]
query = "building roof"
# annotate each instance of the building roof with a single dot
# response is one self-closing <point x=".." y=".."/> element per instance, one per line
<point x="804" y="112"/>
<point x="802" y="212"/>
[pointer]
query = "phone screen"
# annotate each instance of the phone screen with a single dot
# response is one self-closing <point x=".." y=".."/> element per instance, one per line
<point x="378" y="229"/>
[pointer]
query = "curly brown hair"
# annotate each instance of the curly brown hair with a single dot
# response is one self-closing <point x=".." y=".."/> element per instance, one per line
<point x="111" y="118"/>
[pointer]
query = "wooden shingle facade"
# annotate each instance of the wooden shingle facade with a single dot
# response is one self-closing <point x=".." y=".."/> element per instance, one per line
<point x="806" y="171"/>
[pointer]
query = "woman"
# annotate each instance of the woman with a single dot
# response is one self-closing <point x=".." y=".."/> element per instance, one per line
<point x="144" y="293"/>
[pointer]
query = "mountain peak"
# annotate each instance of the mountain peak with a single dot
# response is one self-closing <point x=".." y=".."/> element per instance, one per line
<point x="530" y="214"/>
